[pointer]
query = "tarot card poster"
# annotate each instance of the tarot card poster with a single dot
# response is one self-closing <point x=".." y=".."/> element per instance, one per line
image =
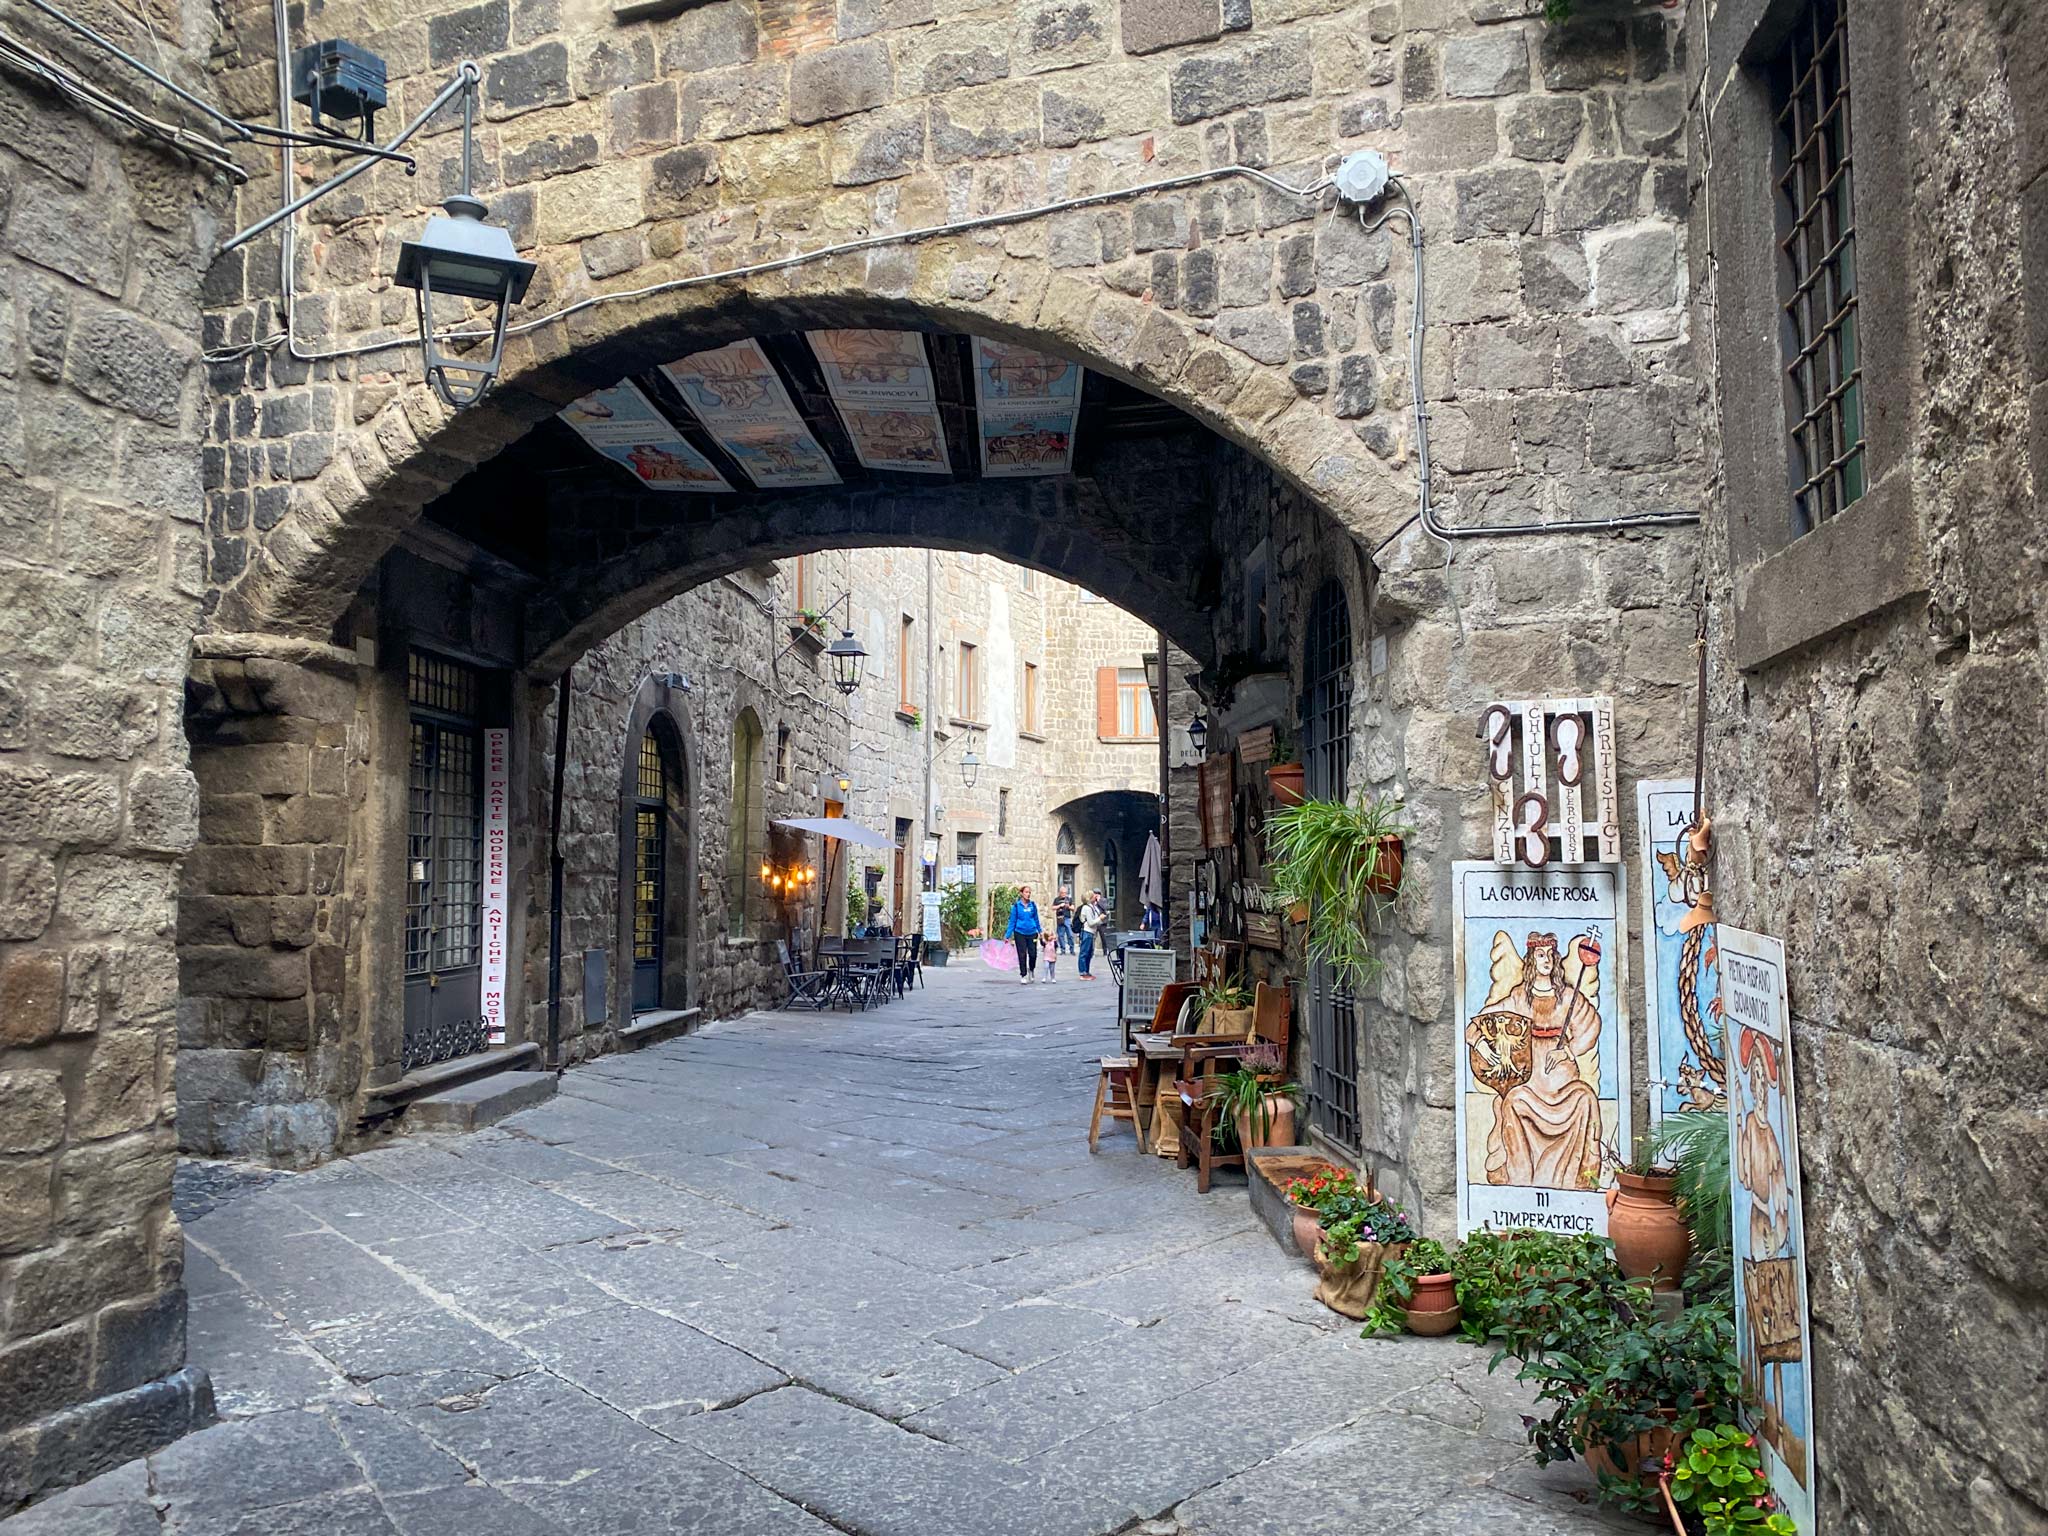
<point x="621" y="424"/>
<point x="1542" y="1044"/>
<point x="1773" y="1339"/>
<point x="1027" y="402"/>
<point x="882" y="383"/>
<point x="1684" y="988"/>
<point x="738" y="396"/>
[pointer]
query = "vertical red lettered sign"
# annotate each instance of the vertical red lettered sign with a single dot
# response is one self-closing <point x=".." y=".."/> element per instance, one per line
<point x="497" y="868"/>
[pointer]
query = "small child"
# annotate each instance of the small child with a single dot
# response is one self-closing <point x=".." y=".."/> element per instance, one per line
<point x="1050" y="957"/>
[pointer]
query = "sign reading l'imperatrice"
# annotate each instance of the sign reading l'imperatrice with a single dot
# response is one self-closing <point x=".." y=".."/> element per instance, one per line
<point x="1543" y="1047"/>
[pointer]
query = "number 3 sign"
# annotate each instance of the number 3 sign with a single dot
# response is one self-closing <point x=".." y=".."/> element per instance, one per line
<point x="1544" y="823"/>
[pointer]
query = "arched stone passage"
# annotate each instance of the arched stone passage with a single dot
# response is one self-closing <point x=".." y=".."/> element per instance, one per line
<point x="1109" y="833"/>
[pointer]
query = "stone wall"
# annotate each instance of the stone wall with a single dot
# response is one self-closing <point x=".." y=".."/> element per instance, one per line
<point x="101" y="585"/>
<point x="1877" y="791"/>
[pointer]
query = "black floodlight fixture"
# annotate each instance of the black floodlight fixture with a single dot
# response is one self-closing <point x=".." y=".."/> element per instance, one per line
<point x="343" y="81"/>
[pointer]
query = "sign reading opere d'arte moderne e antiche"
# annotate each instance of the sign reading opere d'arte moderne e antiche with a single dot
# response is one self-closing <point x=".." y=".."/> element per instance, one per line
<point x="1543" y="1046"/>
<point x="1773" y="1339"/>
<point x="497" y="883"/>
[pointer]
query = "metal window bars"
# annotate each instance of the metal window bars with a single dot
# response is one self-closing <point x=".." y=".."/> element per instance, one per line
<point x="1823" y="367"/>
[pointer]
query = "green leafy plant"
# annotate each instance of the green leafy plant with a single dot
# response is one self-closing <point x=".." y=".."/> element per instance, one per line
<point x="914" y="716"/>
<point x="1283" y="749"/>
<point x="1527" y="1289"/>
<point x="1328" y="854"/>
<point x="1351" y="1221"/>
<point x="1245" y="1088"/>
<point x="959" y="908"/>
<point x="1225" y="992"/>
<point x="1389" y="1311"/>
<point x="1719" y="1476"/>
<point x="856" y="905"/>
<point x="1695" y="1143"/>
<point x="810" y="618"/>
<point x="1557" y="10"/>
<point x="1646" y="1161"/>
<point x="1632" y="1372"/>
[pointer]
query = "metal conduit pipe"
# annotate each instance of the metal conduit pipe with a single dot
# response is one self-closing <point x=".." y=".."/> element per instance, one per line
<point x="1425" y="513"/>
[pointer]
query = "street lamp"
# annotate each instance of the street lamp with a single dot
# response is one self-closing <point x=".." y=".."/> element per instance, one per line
<point x="847" y="656"/>
<point x="970" y="765"/>
<point x="463" y="256"/>
<point x="1198" y="735"/>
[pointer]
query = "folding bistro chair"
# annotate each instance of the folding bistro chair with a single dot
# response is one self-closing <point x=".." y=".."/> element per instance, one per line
<point x="807" y="989"/>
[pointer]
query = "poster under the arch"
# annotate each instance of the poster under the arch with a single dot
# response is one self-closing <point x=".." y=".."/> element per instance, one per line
<point x="1683" y="990"/>
<point x="1541" y="958"/>
<point x="1773" y="1337"/>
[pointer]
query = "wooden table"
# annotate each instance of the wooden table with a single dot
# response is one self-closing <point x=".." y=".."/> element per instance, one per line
<point x="1158" y="1064"/>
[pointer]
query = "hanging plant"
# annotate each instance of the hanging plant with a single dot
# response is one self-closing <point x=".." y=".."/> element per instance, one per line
<point x="1343" y="861"/>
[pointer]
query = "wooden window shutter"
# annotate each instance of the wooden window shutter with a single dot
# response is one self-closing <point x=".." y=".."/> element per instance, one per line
<point x="1105" y="702"/>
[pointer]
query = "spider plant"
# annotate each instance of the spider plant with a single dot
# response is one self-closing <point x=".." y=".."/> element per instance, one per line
<point x="1328" y="855"/>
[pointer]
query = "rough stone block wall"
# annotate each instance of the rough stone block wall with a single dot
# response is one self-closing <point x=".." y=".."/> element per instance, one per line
<point x="1879" y="805"/>
<point x="101" y="583"/>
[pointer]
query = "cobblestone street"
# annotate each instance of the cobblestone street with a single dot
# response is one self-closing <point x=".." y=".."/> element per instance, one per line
<point x="802" y="1274"/>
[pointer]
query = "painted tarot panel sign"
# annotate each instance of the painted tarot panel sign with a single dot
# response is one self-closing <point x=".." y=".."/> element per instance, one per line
<point x="882" y="383"/>
<point x="1772" y="1335"/>
<point x="1684" y="988"/>
<point x="738" y="396"/>
<point x="621" y="424"/>
<point x="1028" y="401"/>
<point x="910" y="440"/>
<point x="1543" y="1044"/>
<point x="874" y="367"/>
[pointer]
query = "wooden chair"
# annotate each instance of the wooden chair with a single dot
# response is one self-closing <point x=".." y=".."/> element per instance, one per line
<point x="1200" y="1058"/>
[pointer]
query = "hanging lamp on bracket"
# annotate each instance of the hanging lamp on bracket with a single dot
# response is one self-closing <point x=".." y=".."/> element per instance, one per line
<point x="461" y="255"/>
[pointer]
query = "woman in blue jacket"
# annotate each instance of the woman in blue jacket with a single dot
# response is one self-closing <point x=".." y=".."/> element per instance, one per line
<point x="1024" y="931"/>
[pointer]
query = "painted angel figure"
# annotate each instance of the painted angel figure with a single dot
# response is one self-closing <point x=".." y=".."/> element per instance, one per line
<point x="1546" y="1128"/>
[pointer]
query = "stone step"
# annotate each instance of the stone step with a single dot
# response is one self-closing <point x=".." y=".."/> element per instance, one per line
<point x="658" y="1024"/>
<point x="473" y="1105"/>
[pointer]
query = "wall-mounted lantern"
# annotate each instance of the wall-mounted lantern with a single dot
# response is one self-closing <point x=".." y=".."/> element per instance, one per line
<point x="847" y="656"/>
<point x="462" y="255"/>
<point x="1198" y="735"/>
<point x="970" y="765"/>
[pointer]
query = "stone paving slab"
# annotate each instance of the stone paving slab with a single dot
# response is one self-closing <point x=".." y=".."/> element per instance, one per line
<point x="797" y="1275"/>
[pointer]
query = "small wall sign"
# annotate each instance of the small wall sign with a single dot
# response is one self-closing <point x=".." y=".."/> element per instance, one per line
<point x="1545" y="758"/>
<point x="497" y="885"/>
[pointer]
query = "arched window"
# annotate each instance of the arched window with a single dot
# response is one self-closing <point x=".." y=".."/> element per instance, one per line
<point x="744" y="829"/>
<point x="1064" y="843"/>
<point x="659" y="811"/>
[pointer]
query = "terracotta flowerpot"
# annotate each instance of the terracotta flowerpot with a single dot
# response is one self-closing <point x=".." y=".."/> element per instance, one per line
<point x="1386" y="876"/>
<point x="1279" y="1125"/>
<point x="1308" y="1231"/>
<point x="1624" y="1458"/>
<point x="1433" y="1304"/>
<point x="1650" y="1240"/>
<point x="1286" y="780"/>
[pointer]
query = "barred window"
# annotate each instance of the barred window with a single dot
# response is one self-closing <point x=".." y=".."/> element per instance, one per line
<point x="1823" y="364"/>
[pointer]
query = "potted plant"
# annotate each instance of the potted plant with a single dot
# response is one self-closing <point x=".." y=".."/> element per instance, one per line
<point x="1342" y="860"/>
<point x="1718" y="1476"/>
<point x="1359" y="1233"/>
<point x="807" y="625"/>
<point x="1650" y="1238"/>
<point x="1418" y="1291"/>
<point x="1285" y="775"/>
<point x="1257" y="1098"/>
<point x="1224" y="1007"/>
<point x="1308" y="1196"/>
<point x="1695" y="1143"/>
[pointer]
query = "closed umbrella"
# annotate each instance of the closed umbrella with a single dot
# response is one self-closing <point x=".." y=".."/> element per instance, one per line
<point x="1152" y="873"/>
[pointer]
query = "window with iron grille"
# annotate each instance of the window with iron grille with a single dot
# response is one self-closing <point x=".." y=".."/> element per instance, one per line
<point x="1823" y="363"/>
<point x="444" y="817"/>
<point x="650" y="851"/>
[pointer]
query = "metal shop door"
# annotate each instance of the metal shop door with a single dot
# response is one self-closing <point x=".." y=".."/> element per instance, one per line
<point x="1326" y="764"/>
<point x="444" y="864"/>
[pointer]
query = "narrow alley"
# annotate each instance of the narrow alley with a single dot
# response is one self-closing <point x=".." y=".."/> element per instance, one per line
<point x="842" y="1272"/>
